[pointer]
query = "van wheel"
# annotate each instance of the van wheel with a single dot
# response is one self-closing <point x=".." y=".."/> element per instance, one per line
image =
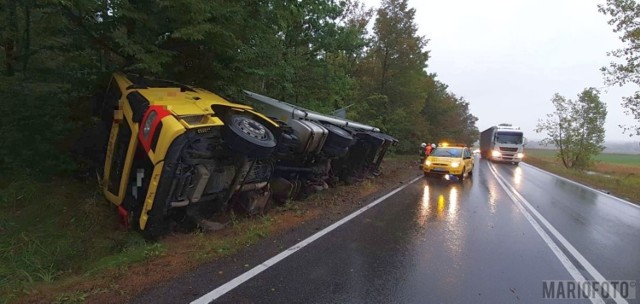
<point x="471" y="171"/>
<point x="248" y="137"/>
<point x="461" y="175"/>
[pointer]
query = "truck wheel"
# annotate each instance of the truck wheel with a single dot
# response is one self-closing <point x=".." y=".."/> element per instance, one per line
<point x="249" y="137"/>
<point x="158" y="223"/>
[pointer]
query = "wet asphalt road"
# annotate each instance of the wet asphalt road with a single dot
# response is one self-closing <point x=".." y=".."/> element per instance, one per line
<point x="441" y="241"/>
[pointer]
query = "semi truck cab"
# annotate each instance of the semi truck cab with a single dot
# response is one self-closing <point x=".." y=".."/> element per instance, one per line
<point x="503" y="143"/>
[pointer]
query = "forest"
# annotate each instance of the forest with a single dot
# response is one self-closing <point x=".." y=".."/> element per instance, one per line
<point x="320" y="54"/>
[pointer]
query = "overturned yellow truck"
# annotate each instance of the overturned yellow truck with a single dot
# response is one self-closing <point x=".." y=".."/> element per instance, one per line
<point x="172" y="146"/>
<point x="177" y="154"/>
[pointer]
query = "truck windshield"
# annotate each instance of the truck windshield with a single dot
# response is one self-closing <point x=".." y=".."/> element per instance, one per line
<point x="514" y="138"/>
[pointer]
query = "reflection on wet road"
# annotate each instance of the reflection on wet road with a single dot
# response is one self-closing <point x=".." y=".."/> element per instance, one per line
<point x="444" y="205"/>
<point x="447" y="241"/>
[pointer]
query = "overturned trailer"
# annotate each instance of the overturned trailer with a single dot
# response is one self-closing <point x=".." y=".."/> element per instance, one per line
<point x="316" y="150"/>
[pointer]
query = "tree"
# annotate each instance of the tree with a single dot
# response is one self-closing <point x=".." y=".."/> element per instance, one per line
<point x="394" y="67"/>
<point x="576" y="128"/>
<point x="625" y="18"/>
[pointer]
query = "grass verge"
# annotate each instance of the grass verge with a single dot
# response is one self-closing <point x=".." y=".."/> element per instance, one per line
<point x="51" y="230"/>
<point x="617" y="174"/>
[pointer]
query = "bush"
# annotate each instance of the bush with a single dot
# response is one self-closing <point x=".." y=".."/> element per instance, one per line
<point x="35" y="126"/>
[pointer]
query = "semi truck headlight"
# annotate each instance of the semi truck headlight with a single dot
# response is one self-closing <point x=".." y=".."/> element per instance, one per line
<point x="146" y="129"/>
<point x="455" y="164"/>
<point x="495" y="153"/>
<point x="520" y="155"/>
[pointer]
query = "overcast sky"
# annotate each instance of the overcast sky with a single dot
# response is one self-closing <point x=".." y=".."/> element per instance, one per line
<point x="508" y="57"/>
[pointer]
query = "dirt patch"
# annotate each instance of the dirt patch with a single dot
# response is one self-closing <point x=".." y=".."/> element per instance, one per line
<point x="609" y="168"/>
<point x="180" y="253"/>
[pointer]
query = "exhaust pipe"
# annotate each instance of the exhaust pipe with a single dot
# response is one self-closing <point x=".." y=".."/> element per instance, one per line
<point x="251" y="187"/>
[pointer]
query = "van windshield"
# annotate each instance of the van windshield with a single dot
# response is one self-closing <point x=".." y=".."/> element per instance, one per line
<point x="514" y="138"/>
<point x="447" y="152"/>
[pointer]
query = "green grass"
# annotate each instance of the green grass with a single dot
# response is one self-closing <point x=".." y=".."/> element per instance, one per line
<point x="51" y="230"/>
<point x="623" y="159"/>
<point x="619" y="174"/>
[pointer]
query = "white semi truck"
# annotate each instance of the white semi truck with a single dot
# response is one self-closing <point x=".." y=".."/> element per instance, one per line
<point x="502" y="143"/>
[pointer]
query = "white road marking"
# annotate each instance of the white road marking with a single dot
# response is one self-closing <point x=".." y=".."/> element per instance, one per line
<point x="520" y="202"/>
<point x="221" y="290"/>
<point x="583" y="186"/>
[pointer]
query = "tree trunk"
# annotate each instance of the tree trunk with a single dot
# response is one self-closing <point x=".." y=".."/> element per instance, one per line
<point x="560" y="144"/>
<point x="384" y="70"/>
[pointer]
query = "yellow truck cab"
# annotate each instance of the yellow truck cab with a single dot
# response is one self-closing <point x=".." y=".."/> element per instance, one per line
<point x="176" y="151"/>
<point x="456" y="160"/>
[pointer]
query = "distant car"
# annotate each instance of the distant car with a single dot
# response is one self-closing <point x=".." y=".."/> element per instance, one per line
<point x="476" y="151"/>
<point x="449" y="160"/>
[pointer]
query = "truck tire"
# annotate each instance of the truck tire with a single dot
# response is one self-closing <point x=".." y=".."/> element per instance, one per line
<point x="158" y="223"/>
<point x="248" y="137"/>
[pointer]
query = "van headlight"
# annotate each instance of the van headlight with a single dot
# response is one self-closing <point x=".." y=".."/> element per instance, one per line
<point x="455" y="164"/>
<point x="427" y="163"/>
<point x="520" y="155"/>
<point x="496" y="153"/>
<point x="146" y="129"/>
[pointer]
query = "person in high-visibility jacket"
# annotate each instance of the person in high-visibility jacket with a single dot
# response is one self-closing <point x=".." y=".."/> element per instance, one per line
<point x="423" y="153"/>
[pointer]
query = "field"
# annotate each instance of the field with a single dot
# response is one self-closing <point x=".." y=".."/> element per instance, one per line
<point x="618" y="174"/>
<point x="611" y="158"/>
